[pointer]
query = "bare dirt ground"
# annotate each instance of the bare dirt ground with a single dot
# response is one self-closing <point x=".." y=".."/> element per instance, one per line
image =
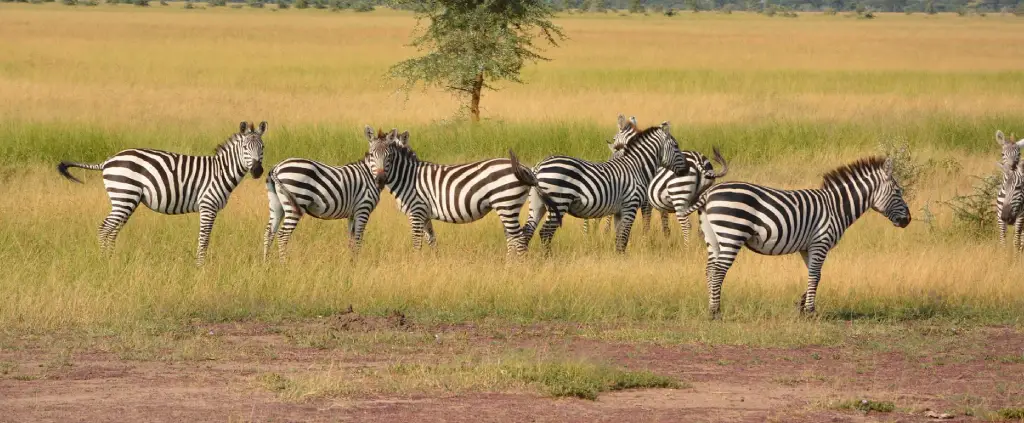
<point x="213" y="375"/>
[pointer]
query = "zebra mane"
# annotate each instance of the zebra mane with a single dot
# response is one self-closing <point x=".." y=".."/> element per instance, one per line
<point x="843" y="174"/>
<point x="639" y="135"/>
<point x="234" y="138"/>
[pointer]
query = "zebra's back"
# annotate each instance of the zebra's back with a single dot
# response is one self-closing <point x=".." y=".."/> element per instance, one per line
<point x="767" y="220"/>
<point x="596" y="188"/>
<point x="468" y="192"/>
<point x="166" y="182"/>
<point x="328" y="192"/>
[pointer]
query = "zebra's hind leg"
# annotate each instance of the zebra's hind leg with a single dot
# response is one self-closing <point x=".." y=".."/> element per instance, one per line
<point x="273" y="224"/>
<point x="289" y="222"/>
<point x="646" y="209"/>
<point x="515" y="243"/>
<point x="207" y="216"/>
<point x="665" y="227"/>
<point x="547" y="232"/>
<point x="120" y="211"/>
<point x="609" y="221"/>
<point x="814" y="257"/>
<point x="720" y="259"/>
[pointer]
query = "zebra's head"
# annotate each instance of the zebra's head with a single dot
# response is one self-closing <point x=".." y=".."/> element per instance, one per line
<point x="248" y="146"/>
<point x="671" y="158"/>
<point x="888" y="197"/>
<point x="627" y="129"/>
<point x="1013" y="191"/>
<point x="382" y="150"/>
<point x="1011" y="149"/>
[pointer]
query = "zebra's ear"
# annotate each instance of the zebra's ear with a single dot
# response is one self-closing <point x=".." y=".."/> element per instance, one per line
<point x="632" y="119"/>
<point x="243" y="127"/>
<point x="1020" y="143"/>
<point x="623" y="123"/>
<point x="666" y="127"/>
<point x="368" y="131"/>
<point x="1000" y="138"/>
<point x="262" y="128"/>
<point x="403" y="139"/>
<point x="887" y="167"/>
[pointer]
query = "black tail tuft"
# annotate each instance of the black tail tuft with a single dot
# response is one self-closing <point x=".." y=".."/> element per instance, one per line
<point x="63" y="169"/>
<point x="523" y="174"/>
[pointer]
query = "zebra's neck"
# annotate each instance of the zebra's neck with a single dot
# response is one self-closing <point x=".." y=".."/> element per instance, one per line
<point x="229" y="164"/>
<point x="850" y="197"/>
<point x="405" y="170"/>
<point x="642" y="154"/>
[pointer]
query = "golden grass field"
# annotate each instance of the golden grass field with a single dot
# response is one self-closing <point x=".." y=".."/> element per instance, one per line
<point x="787" y="99"/>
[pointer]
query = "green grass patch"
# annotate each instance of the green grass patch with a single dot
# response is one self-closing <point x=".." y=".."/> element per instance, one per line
<point x="1011" y="413"/>
<point x="865" y="405"/>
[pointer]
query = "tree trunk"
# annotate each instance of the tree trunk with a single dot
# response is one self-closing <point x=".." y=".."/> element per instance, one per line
<point x="474" y="105"/>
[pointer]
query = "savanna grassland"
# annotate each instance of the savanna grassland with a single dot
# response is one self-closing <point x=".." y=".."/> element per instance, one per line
<point x="924" y="317"/>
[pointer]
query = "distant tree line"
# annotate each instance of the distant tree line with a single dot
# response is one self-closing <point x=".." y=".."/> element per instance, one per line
<point x="673" y="6"/>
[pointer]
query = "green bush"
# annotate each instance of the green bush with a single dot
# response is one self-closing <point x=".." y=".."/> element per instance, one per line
<point x="1019" y="11"/>
<point x="69" y="2"/>
<point x="363" y="7"/>
<point x="217" y="3"/>
<point x="256" y="4"/>
<point x="301" y="4"/>
<point x="141" y="3"/>
<point x="829" y="11"/>
<point x="281" y="4"/>
<point x="188" y="5"/>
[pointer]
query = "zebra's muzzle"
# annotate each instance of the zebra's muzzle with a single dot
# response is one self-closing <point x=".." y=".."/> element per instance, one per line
<point x="902" y="222"/>
<point x="381" y="177"/>
<point x="257" y="170"/>
<point x="1007" y="215"/>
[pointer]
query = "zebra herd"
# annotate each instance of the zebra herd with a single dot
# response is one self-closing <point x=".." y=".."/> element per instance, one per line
<point x="647" y="171"/>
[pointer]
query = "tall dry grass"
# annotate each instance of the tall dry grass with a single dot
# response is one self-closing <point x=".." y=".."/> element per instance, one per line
<point x="787" y="100"/>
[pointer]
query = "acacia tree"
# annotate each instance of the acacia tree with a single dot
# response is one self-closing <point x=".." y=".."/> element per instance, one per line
<point x="470" y="44"/>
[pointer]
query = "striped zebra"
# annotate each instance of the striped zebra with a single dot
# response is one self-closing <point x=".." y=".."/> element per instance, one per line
<point x="1009" y="165"/>
<point x="298" y="186"/>
<point x="810" y="221"/>
<point x="617" y="187"/>
<point x="451" y="193"/>
<point x="668" y="193"/>
<point x="172" y="183"/>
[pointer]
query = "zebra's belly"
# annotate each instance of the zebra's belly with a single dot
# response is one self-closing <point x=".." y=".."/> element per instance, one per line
<point x="773" y="246"/>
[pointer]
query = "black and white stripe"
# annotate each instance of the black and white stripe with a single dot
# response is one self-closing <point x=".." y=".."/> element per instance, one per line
<point x="298" y="186"/>
<point x="810" y="221"/>
<point x="1005" y="213"/>
<point x="586" y="189"/>
<point x="173" y="183"/>
<point x="452" y="193"/>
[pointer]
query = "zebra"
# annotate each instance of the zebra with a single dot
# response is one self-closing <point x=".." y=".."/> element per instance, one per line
<point x="668" y="193"/>
<point x="452" y="193"/>
<point x="587" y="189"/>
<point x="299" y="186"/>
<point x="810" y="221"/>
<point x="1008" y="163"/>
<point x="172" y="183"/>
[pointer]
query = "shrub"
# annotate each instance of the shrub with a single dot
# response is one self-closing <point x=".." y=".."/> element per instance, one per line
<point x="670" y="12"/>
<point x="114" y="2"/>
<point x="141" y="3"/>
<point x="727" y="9"/>
<point x="364" y="7"/>
<point x="188" y="5"/>
<point x="829" y="11"/>
<point x="976" y="211"/>
<point x="256" y="4"/>
<point x="1019" y="11"/>
<point x="301" y="4"/>
<point x="905" y="167"/>
<point x="866" y="15"/>
<point x="69" y="2"/>
<point x="769" y="11"/>
<point x="236" y="6"/>
<point x="281" y="4"/>
<point x="217" y="3"/>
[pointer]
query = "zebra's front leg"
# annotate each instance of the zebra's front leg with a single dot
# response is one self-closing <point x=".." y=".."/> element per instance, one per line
<point x="418" y="223"/>
<point x="1002" y="230"/>
<point x="623" y="225"/>
<point x="428" y="232"/>
<point x="357" y="226"/>
<point x="207" y="216"/>
<point x="609" y="221"/>
<point x="814" y="257"/>
<point x="1018" y="226"/>
<point x="646" y="209"/>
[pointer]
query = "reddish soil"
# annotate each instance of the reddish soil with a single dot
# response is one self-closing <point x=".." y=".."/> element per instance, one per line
<point x="93" y="384"/>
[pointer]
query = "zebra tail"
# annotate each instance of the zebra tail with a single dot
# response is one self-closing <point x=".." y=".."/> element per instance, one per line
<point x="526" y="176"/>
<point x="721" y="160"/>
<point x="698" y="206"/>
<point x="289" y="198"/>
<point x="63" y="169"/>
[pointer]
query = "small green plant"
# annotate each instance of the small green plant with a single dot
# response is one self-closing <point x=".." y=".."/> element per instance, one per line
<point x="905" y="167"/>
<point x="1011" y="413"/>
<point x="866" y="405"/>
<point x="670" y="12"/>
